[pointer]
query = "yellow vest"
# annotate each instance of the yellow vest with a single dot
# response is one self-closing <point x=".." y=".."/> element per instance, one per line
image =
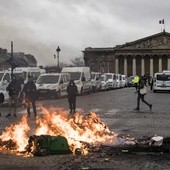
<point x="136" y="79"/>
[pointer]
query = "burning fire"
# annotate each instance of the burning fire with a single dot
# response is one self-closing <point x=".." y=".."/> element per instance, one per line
<point x="78" y="129"/>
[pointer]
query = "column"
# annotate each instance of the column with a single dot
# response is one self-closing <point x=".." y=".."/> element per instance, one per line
<point x="116" y="65"/>
<point x="125" y="65"/>
<point x="160" y="64"/>
<point x="134" y="66"/>
<point x="168" y="63"/>
<point x="151" y="66"/>
<point x="142" y="66"/>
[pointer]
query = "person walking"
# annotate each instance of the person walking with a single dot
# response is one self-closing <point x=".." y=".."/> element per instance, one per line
<point x="13" y="88"/>
<point x="141" y="94"/>
<point x="29" y="91"/>
<point x="136" y="81"/>
<point x="72" y="93"/>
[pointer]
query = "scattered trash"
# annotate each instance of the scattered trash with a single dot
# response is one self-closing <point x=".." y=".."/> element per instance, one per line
<point x="156" y="141"/>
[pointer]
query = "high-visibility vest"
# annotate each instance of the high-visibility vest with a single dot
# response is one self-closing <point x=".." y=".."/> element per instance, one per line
<point x="136" y="79"/>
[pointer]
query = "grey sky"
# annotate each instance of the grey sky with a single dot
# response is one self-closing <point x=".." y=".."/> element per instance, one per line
<point x="37" y="27"/>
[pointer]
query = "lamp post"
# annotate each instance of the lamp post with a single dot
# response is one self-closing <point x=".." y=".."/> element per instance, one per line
<point x="58" y="51"/>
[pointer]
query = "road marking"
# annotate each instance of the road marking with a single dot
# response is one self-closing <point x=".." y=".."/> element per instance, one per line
<point x="112" y="112"/>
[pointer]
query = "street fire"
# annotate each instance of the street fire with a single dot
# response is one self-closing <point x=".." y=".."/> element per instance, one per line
<point x="78" y="130"/>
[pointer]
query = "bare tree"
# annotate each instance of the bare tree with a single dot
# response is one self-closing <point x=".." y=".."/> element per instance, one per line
<point x="78" y="61"/>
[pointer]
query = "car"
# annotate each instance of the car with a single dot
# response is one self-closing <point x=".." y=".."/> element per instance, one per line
<point x="130" y="82"/>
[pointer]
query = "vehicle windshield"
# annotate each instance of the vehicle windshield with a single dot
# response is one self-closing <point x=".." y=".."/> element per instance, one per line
<point x="92" y="76"/>
<point x="48" y="79"/>
<point x="20" y="77"/>
<point x="163" y="77"/>
<point x="75" y="75"/>
<point x="1" y="74"/>
<point x="102" y="78"/>
<point x="109" y="76"/>
<point x="35" y="75"/>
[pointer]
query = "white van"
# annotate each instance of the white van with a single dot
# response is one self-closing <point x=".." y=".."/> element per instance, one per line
<point x="124" y="80"/>
<point x="104" y="82"/>
<point x="96" y="81"/>
<point x="111" y="78"/>
<point x="161" y="82"/>
<point x="35" y="72"/>
<point x="5" y="78"/>
<point x="81" y="77"/>
<point x="52" y="85"/>
<point x="118" y="80"/>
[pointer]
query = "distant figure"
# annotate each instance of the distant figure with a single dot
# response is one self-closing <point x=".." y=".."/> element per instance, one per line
<point x="13" y="88"/>
<point x="72" y="93"/>
<point x="141" y="94"/>
<point x="30" y="91"/>
<point x="136" y="81"/>
<point x="151" y="83"/>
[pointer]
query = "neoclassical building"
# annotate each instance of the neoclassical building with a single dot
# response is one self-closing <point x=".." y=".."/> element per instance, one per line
<point x="144" y="56"/>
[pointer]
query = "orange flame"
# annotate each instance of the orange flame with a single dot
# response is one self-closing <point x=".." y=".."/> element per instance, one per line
<point x="17" y="133"/>
<point x="77" y="130"/>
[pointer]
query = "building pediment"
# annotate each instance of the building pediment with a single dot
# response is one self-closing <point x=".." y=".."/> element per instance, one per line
<point x="157" y="41"/>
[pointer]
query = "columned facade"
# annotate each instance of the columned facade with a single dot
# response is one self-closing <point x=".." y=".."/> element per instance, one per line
<point x="145" y="56"/>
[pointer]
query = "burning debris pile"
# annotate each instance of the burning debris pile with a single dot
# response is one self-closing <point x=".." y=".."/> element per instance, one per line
<point x="57" y="133"/>
<point x="55" y="127"/>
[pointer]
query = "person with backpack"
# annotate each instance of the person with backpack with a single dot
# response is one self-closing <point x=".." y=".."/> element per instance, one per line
<point x="13" y="88"/>
<point x="141" y="94"/>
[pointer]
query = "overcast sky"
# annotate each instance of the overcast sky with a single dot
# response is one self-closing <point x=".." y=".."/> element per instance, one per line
<point x="37" y="27"/>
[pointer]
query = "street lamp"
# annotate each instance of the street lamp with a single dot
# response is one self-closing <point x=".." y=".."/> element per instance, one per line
<point x="58" y="51"/>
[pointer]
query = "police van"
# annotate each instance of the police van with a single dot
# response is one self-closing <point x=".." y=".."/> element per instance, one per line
<point x="81" y="77"/>
<point x="161" y="82"/>
<point x="35" y="72"/>
<point x="52" y="85"/>
<point x="96" y="81"/>
<point x="111" y="78"/>
<point x="5" y="78"/>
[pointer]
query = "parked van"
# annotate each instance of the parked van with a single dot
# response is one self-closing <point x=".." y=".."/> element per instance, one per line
<point x="104" y="82"/>
<point x="96" y="81"/>
<point x="124" y="80"/>
<point x="118" y="80"/>
<point x="5" y="78"/>
<point x="52" y="85"/>
<point x="81" y="77"/>
<point x="111" y="78"/>
<point x="161" y="82"/>
<point x="35" y="72"/>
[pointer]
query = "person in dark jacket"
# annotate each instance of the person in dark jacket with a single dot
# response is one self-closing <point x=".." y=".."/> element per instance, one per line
<point x="29" y="91"/>
<point x="141" y="96"/>
<point x="13" y="88"/>
<point x="72" y="93"/>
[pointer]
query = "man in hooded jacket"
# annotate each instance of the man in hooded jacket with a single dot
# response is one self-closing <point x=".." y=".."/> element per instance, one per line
<point x="72" y="93"/>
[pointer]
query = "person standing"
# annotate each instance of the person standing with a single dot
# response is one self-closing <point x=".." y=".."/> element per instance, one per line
<point x="136" y="81"/>
<point x="30" y="91"/>
<point x="13" y="88"/>
<point x="72" y="93"/>
<point x="141" y="94"/>
<point x="151" y="83"/>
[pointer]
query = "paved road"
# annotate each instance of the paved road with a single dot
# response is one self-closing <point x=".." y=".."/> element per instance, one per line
<point x="116" y="109"/>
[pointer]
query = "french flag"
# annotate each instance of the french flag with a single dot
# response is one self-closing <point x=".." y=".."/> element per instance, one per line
<point x="161" y="21"/>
